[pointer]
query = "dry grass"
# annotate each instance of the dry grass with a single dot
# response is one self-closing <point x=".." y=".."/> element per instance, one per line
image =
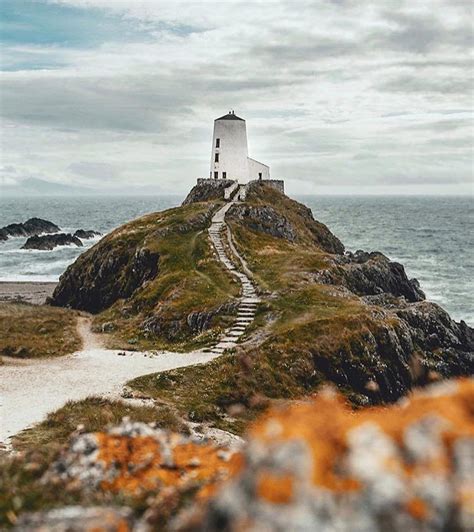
<point x="34" y="331"/>
<point x="93" y="414"/>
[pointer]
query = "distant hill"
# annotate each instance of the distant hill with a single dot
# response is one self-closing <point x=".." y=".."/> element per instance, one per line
<point x="40" y="187"/>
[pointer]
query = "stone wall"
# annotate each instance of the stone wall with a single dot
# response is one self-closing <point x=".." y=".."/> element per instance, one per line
<point x="217" y="183"/>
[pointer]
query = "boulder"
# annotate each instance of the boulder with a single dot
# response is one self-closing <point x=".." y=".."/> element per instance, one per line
<point x="48" y="242"/>
<point x="32" y="227"/>
<point x="86" y="234"/>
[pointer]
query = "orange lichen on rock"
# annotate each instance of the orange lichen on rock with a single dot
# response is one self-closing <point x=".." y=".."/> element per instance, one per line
<point x="325" y="422"/>
<point x="144" y="463"/>
<point x="417" y="508"/>
<point x="319" y="465"/>
<point x="275" y="488"/>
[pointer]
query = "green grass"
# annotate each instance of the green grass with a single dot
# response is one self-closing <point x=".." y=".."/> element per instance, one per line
<point x="34" y="331"/>
<point x="189" y="280"/>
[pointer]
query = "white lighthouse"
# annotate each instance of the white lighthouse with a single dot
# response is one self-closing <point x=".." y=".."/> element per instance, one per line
<point x="230" y="159"/>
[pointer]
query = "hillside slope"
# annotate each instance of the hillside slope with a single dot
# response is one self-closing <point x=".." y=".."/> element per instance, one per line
<point x="153" y="281"/>
<point x="353" y="319"/>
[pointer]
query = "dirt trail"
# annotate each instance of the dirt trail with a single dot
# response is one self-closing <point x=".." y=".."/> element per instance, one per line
<point x="28" y="392"/>
<point x="90" y="340"/>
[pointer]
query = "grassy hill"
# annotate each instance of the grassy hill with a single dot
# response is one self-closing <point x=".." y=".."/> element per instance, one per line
<point x="356" y="321"/>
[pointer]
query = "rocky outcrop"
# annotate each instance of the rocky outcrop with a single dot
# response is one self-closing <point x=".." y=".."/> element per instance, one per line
<point x="161" y="323"/>
<point x="300" y="225"/>
<point x="122" y="262"/>
<point x="370" y="274"/>
<point x="48" y="242"/>
<point x="103" y="275"/>
<point x="33" y="226"/>
<point x="82" y="233"/>
<point x="207" y="190"/>
<point x="406" y="345"/>
<point x="264" y="219"/>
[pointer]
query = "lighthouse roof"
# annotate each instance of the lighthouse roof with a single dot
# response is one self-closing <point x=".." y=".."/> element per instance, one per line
<point x="230" y="116"/>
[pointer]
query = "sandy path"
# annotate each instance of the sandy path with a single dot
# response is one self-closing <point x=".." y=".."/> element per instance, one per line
<point x="28" y="392"/>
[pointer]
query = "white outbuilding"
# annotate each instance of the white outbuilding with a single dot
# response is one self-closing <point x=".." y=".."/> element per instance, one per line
<point x="230" y="158"/>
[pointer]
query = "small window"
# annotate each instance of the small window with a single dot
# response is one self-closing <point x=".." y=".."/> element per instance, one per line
<point x="216" y="175"/>
<point x="260" y="175"/>
<point x="224" y="175"/>
<point x="216" y="158"/>
<point x="218" y="143"/>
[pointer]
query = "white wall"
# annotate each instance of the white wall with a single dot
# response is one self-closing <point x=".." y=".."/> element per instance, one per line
<point x="255" y="168"/>
<point x="233" y="150"/>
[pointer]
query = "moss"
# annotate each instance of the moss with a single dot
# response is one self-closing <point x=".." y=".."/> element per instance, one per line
<point x="32" y="331"/>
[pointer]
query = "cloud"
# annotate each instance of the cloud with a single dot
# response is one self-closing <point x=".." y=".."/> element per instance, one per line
<point x="334" y="93"/>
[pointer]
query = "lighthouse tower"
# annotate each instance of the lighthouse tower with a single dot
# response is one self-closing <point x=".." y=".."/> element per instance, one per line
<point x="229" y="159"/>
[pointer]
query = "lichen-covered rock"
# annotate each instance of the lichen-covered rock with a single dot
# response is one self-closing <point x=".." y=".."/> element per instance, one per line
<point x="318" y="465"/>
<point x="135" y="458"/>
<point x="78" y="519"/>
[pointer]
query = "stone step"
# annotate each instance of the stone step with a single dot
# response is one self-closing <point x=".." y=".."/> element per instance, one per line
<point x="227" y="344"/>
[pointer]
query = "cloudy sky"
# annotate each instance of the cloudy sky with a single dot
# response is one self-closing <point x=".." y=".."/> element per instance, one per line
<point x="341" y="96"/>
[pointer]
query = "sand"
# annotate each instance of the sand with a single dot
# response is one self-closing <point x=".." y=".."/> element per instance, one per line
<point x="29" y="390"/>
<point x="27" y="292"/>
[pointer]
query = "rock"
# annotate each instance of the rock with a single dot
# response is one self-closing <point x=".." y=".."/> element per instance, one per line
<point x="133" y="458"/>
<point x="373" y="273"/>
<point x="109" y="274"/>
<point x="48" y="242"/>
<point x="32" y="227"/>
<point x="207" y="190"/>
<point x="264" y="219"/>
<point x="78" y="519"/>
<point x="317" y="465"/>
<point x="268" y="211"/>
<point x="82" y="233"/>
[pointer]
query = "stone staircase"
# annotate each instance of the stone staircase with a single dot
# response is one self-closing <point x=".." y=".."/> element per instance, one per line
<point x="249" y="300"/>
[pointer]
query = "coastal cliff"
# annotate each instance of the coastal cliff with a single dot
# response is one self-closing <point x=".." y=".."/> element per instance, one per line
<point x="353" y="319"/>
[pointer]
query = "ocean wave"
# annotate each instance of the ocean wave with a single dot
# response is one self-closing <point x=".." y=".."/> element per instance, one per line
<point x="29" y="278"/>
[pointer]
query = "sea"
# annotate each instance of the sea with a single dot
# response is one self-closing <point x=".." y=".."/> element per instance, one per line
<point x="432" y="237"/>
